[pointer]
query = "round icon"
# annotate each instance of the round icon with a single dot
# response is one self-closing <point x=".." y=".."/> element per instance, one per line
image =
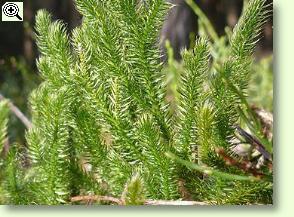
<point x="11" y="10"/>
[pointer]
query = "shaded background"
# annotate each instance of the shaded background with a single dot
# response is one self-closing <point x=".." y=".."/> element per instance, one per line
<point x="18" y="74"/>
<point x="16" y="39"/>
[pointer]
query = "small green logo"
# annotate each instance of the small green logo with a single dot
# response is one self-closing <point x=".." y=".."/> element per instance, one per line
<point x="12" y="11"/>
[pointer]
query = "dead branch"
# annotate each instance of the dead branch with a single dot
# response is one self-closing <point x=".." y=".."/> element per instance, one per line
<point x="18" y="113"/>
<point x="96" y="198"/>
<point x="147" y="202"/>
<point x="173" y="203"/>
<point x="244" y="165"/>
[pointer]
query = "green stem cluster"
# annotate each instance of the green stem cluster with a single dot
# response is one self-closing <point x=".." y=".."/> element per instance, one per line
<point x="108" y="111"/>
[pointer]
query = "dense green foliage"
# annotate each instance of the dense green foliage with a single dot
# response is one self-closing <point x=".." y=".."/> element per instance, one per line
<point x="109" y="118"/>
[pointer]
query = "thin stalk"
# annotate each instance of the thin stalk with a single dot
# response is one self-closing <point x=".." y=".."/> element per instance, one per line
<point x="18" y="113"/>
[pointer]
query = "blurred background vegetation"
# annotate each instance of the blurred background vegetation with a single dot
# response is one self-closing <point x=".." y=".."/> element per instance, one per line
<point x="18" y="74"/>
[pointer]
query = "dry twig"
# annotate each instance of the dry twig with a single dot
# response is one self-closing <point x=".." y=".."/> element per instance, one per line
<point x="244" y="165"/>
<point x="96" y="198"/>
<point x="18" y="113"/>
<point x="147" y="202"/>
<point x="173" y="203"/>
